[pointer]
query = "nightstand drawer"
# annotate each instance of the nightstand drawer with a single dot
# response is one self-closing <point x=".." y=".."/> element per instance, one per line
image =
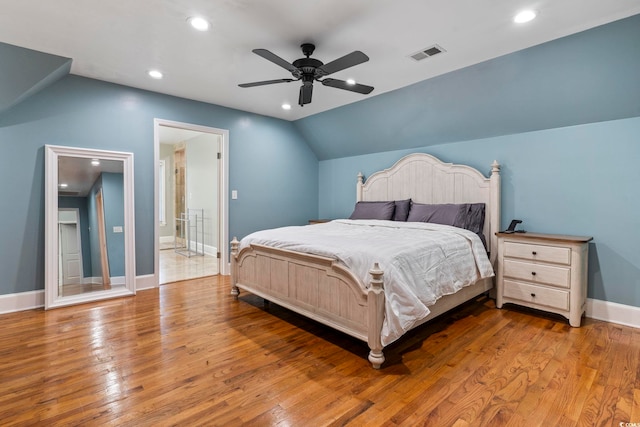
<point x="539" y="295"/>
<point x="538" y="273"/>
<point x="558" y="255"/>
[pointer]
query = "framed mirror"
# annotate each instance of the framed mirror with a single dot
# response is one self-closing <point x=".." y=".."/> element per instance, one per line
<point x="89" y="225"/>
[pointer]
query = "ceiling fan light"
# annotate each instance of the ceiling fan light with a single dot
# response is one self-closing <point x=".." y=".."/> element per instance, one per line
<point x="524" y="16"/>
<point x="199" y="23"/>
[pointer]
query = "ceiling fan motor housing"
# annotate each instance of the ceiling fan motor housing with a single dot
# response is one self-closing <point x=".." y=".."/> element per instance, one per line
<point x="309" y="69"/>
<point x="308" y="66"/>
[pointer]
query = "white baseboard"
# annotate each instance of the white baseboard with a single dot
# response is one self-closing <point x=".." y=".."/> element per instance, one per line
<point x="21" y="301"/>
<point x="35" y="299"/>
<point x="596" y="309"/>
<point x="208" y="249"/>
<point x="166" y="239"/>
<point x="147" y="281"/>
<point x="115" y="280"/>
<point x="612" y="312"/>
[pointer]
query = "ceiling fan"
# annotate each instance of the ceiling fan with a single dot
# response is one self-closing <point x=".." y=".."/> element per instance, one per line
<point x="310" y="69"/>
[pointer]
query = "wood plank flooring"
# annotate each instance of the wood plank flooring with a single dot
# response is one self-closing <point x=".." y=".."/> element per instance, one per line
<point x="188" y="354"/>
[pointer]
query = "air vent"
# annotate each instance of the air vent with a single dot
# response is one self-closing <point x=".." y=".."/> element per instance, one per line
<point x="427" y="52"/>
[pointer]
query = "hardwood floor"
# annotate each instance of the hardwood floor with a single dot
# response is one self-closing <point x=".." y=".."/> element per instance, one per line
<point x="188" y="354"/>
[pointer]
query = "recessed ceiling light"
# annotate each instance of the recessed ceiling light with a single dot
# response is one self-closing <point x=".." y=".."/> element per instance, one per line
<point x="199" y="23"/>
<point x="95" y="162"/>
<point x="286" y="106"/>
<point x="524" y="16"/>
<point x="155" y="74"/>
<point x="351" y="82"/>
<point x="63" y="185"/>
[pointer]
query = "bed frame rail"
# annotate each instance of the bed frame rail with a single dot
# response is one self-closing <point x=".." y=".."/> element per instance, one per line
<point x="316" y="287"/>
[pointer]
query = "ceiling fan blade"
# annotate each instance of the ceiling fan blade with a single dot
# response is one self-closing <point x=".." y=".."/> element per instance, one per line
<point x="269" y="56"/>
<point x="349" y="60"/>
<point x="306" y="90"/>
<point x="266" y="82"/>
<point x="341" y="84"/>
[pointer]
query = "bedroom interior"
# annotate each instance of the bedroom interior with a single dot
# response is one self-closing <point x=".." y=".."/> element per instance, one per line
<point x="561" y="121"/>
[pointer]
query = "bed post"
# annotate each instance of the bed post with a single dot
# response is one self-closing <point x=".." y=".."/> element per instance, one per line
<point x="359" y="187"/>
<point x="375" y="299"/>
<point x="235" y="244"/>
<point x="495" y="210"/>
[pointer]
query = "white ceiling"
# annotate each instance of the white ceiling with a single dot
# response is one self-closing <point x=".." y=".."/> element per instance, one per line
<point x="80" y="175"/>
<point x="120" y="40"/>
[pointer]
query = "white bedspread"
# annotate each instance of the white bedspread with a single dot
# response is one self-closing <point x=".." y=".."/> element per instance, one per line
<point x="421" y="262"/>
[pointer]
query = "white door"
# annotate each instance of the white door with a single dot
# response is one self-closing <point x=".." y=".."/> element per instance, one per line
<point x="71" y="259"/>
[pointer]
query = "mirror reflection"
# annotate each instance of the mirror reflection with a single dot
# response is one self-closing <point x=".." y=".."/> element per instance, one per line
<point x="89" y="231"/>
<point x="90" y="225"/>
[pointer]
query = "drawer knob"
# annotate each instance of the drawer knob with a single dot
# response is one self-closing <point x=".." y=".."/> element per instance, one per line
<point x="534" y="253"/>
<point x="533" y="273"/>
<point x="533" y="295"/>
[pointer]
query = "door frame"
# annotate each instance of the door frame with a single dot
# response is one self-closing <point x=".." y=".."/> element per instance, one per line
<point x="76" y="222"/>
<point x="223" y="192"/>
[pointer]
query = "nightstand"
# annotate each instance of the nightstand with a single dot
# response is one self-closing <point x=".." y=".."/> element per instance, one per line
<point x="543" y="271"/>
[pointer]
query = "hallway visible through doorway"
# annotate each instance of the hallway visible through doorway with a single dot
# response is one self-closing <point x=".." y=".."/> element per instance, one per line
<point x="189" y="203"/>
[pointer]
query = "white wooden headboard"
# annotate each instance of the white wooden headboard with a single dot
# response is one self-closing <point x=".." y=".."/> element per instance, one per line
<point x="426" y="179"/>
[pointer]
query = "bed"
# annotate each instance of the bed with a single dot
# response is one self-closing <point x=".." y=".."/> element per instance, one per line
<point x="327" y="289"/>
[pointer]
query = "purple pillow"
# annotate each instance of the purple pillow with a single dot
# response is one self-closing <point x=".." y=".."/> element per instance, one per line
<point x="474" y="218"/>
<point x="447" y="214"/>
<point x="469" y="216"/>
<point x="402" y="210"/>
<point x="373" y="210"/>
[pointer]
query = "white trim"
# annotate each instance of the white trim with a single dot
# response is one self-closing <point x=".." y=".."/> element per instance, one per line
<point x="76" y="211"/>
<point x="162" y="212"/>
<point x="596" y="309"/>
<point x="148" y="281"/>
<point x="52" y="154"/>
<point x="208" y="249"/>
<point x="166" y="239"/>
<point x="21" y="301"/>
<point x="613" y="312"/>
<point x="223" y="205"/>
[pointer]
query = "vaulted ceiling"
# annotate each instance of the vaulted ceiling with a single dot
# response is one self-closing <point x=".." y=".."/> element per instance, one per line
<point x="121" y="40"/>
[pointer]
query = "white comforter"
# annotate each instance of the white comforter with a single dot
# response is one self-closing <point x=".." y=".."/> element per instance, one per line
<point x="421" y="261"/>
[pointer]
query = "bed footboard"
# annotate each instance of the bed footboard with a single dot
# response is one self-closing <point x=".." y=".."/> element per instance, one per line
<point x="317" y="287"/>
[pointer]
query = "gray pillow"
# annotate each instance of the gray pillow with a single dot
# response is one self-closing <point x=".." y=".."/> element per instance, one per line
<point x="469" y="216"/>
<point x="373" y="210"/>
<point x="474" y="218"/>
<point x="402" y="210"/>
<point x="447" y="214"/>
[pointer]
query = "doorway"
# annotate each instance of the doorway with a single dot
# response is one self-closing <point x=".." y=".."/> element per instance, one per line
<point x="191" y="210"/>
<point x="70" y="270"/>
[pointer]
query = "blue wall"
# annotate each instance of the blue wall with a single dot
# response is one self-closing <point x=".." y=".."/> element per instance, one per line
<point x="113" y="193"/>
<point x="581" y="180"/>
<point x="563" y="118"/>
<point x="587" y="77"/>
<point x="271" y="166"/>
